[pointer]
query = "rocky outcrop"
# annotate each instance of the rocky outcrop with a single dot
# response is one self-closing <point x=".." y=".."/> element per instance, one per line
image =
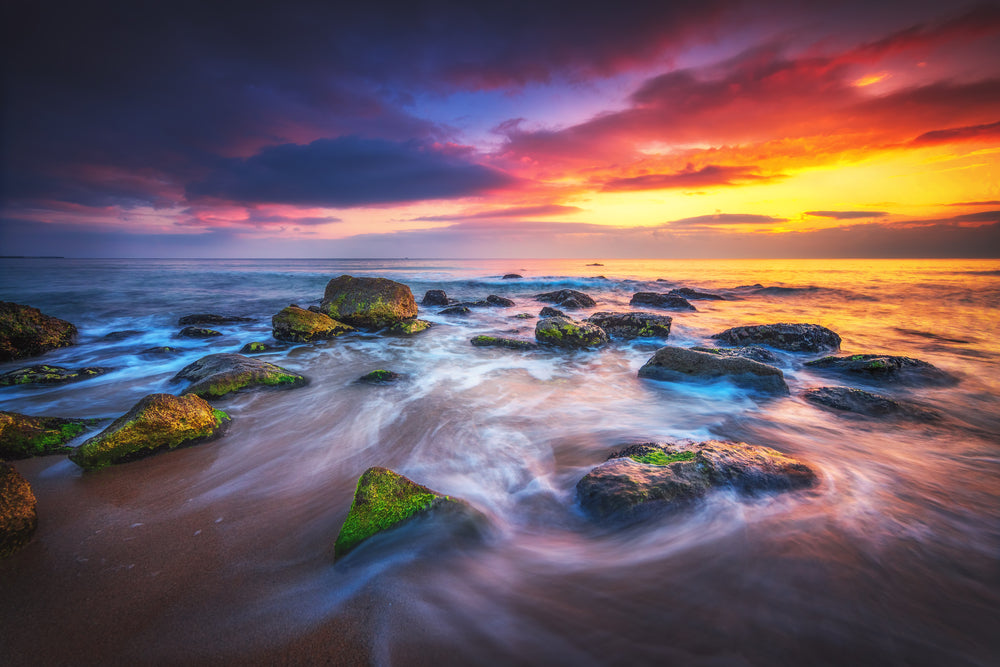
<point x="499" y="301"/>
<point x="754" y="352"/>
<point x="198" y="332"/>
<point x="884" y="368"/>
<point x="302" y="326"/>
<point x="24" y="436"/>
<point x="569" y="333"/>
<point x="654" y="476"/>
<point x="679" y="363"/>
<point x="209" y="318"/>
<point x="45" y="374"/>
<point x="633" y="324"/>
<point x="380" y="376"/>
<point x="567" y="298"/>
<point x="409" y="327"/>
<point x="158" y="422"/>
<point x="368" y="303"/>
<point x="18" y="510"/>
<point x="549" y="311"/>
<point x="784" y="336"/>
<point x="859" y="401"/>
<point x="384" y="500"/>
<point x="220" y="374"/>
<point x="688" y="293"/>
<point x="27" y="332"/>
<point x="504" y="341"/>
<point x="657" y="300"/>
<point x="434" y="297"/>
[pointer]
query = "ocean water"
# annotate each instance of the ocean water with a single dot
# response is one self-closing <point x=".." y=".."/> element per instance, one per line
<point x="223" y="553"/>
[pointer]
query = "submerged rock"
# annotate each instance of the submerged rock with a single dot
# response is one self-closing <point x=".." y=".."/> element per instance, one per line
<point x="368" y="303"/>
<point x="632" y="324"/>
<point x="24" y="436"/>
<point x="380" y="376"/>
<point x="859" y="401"/>
<point x="27" y="332"/>
<point x="566" y="332"/>
<point x="657" y="300"/>
<point x="198" y="332"/>
<point x="409" y="327"/>
<point x="18" y="510"/>
<point x="653" y="476"/>
<point x="302" y="326"/>
<point x="257" y="347"/>
<point x="504" y="341"/>
<point x="549" y="311"/>
<point x="688" y="293"/>
<point x="679" y="363"/>
<point x="754" y="352"/>
<point x="160" y="350"/>
<point x="567" y="298"/>
<point x="526" y="316"/>
<point x="784" y="336"/>
<point x="209" y="318"/>
<point x="219" y="374"/>
<point x="156" y="423"/>
<point x="512" y="276"/>
<point x="122" y="335"/>
<point x="884" y="368"/>
<point x="455" y="310"/>
<point x="45" y="374"/>
<point x="385" y="499"/>
<point x="435" y="297"/>
<point x="499" y="301"/>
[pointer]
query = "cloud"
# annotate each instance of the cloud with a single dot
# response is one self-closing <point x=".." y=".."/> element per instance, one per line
<point x="994" y="202"/>
<point x="847" y="215"/>
<point x="951" y="135"/>
<point x="711" y="175"/>
<point x="348" y="172"/>
<point x="510" y="212"/>
<point x="718" y="219"/>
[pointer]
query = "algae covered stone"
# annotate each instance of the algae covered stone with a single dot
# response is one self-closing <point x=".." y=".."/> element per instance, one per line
<point x="368" y="303"/>
<point x="884" y="368"/>
<point x="504" y="341"/>
<point x="677" y="363"/>
<point x="380" y="376"/>
<point x="46" y="374"/>
<point x="658" y="300"/>
<point x="27" y="332"/>
<point x="219" y="374"/>
<point x="784" y="336"/>
<point x="385" y="499"/>
<point x="633" y="324"/>
<point x="567" y="332"/>
<point x="410" y="327"/>
<point x="18" y="510"/>
<point x="157" y="422"/>
<point x="23" y="436"/>
<point x="301" y="326"/>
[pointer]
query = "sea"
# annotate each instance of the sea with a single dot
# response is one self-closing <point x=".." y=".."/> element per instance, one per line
<point x="222" y="553"/>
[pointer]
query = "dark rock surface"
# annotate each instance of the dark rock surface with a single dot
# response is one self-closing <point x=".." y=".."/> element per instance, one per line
<point x="219" y="374"/>
<point x="159" y="350"/>
<point x="368" y="303"/>
<point x="883" y="368"/>
<point x="679" y="363"/>
<point x="512" y="276"/>
<point x="632" y="324"/>
<point x="435" y="297"/>
<point x="380" y="376"/>
<point x="688" y="293"/>
<point x="209" y="318"/>
<point x="754" y="352"/>
<point x="18" y="511"/>
<point x="455" y="310"/>
<point x="567" y="298"/>
<point x="657" y="300"/>
<point x="198" y="332"/>
<point x="504" y="341"/>
<point x="45" y="374"/>
<point x="859" y="401"/>
<point x="499" y="301"/>
<point x="27" y="332"/>
<point x="549" y="311"/>
<point x="122" y="335"/>
<point x="569" y="333"/>
<point x="784" y="336"/>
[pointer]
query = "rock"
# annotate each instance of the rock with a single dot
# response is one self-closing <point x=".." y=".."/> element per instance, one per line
<point x="302" y="326"/>
<point x="595" y="264"/>
<point x="198" y="332"/>
<point x="678" y="363"/>
<point x="219" y="374"/>
<point x="858" y="401"/>
<point x="884" y="368"/>
<point x="784" y="336"/>
<point x="258" y="347"/>
<point x="567" y="298"/>
<point x="27" y="332"/>
<point x="435" y="297"/>
<point x="499" y="301"/>
<point x="512" y="276"/>
<point x="455" y="310"/>
<point x="18" y="510"/>
<point x="753" y="352"/>
<point x="156" y="423"/>
<point x="380" y="377"/>
<point x="209" y="318"/>
<point x="384" y="500"/>
<point x="657" y="300"/>
<point x="122" y="335"/>
<point x="566" y="332"/>
<point x="312" y="309"/>
<point x="368" y="303"/>
<point x="529" y="316"/>
<point x="160" y="350"/>
<point x="23" y="436"/>
<point x="548" y="311"/>
<point x="652" y="476"/>
<point x="633" y="324"/>
<point x="409" y="327"/>
<point x="45" y="374"/>
<point x="503" y="341"/>
<point x="688" y="293"/>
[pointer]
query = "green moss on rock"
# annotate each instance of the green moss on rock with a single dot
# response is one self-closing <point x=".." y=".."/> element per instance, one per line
<point x="216" y="375"/>
<point x="301" y="326"/>
<point x="380" y="376"/>
<point x="23" y="436"/>
<point x="662" y="458"/>
<point x="368" y="303"/>
<point x="18" y="510"/>
<point x="27" y="332"/>
<point x="409" y="327"/>
<point x="157" y="422"/>
<point x="45" y="374"/>
<point x="566" y="332"/>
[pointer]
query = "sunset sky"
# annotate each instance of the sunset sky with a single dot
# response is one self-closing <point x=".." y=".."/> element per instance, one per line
<point x="464" y="129"/>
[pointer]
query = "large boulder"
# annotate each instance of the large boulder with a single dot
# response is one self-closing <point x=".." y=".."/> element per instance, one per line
<point x="567" y="298"/>
<point x="385" y="499"/>
<point x="27" y="332"/>
<point x="302" y="326"/>
<point x="219" y="374"/>
<point x="861" y="402"/>
<point x="784" y="336"/>
<point x="883" y="368"/>
<point x="158" y="422"/>
<point x="18" y="510"/>
<point x="632" y="325"/>
<point x="23" y="436"/>
<point x="679" y="363"/>
<point x="46" y="374"/>
<point x="566" y="332"/>
<point x="652" y="476"/>
<point x="657" y="300"/>
<point x="368" y="303"/>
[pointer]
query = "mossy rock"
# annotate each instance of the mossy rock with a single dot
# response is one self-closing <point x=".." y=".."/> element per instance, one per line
<point x="27" y="332"/>
<point x="752" y="352"/>
<point x="302" y="326"/>
<point x="784" y="336"/>
<point x="198" y="332"/>
<point x="219" y="374"/>
<point x="160" y="350"/>
<point x="23" y="436"/>
<point x="632" y="324"/>
<point x="18" y="510"/>
<point x="210" y="318"/>
<point x="410" y="327"/>
<point x="257" y="347"/>
<point x="504" y="341"/>
<point x="46" y="374"/>
<point x="884" y="368"/>
<point x="674" y="364"/>
<point x="566" y="332"/>
<point x="368" y="303"/>
<point x="385" y="499"/>
<point x="380" y="376"/>
<point x="158" y="422"/>
<point x="568" y="298"/>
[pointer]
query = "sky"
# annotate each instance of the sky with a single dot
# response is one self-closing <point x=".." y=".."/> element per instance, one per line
<point x="709" y="129"/>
